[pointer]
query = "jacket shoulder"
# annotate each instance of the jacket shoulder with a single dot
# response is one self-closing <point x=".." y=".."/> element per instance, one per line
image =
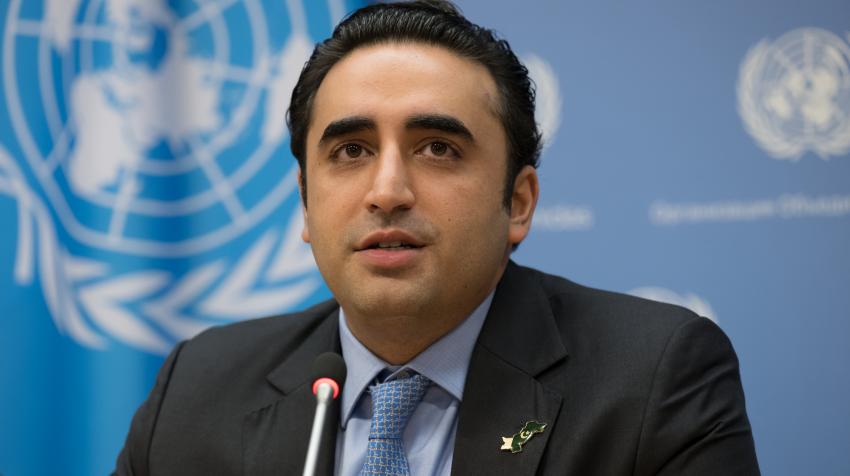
<point x="654" y="384"/>
<point x="249" y="349"/>
<point x="245" y="336"/>
<point x="616" y="331"/>
<point x="610" y="310"/>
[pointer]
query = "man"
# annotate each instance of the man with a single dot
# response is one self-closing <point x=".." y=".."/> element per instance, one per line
<point x="414" y="131"/>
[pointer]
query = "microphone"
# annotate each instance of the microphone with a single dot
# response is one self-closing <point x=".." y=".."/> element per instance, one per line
<point x="328" y="375"/>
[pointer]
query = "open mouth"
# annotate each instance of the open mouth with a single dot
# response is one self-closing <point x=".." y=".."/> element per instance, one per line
<point x="392" y="245"/>
<point x="390" y="240"/>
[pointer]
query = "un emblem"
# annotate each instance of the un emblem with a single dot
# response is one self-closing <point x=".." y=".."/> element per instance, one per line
<point x="548" y="92"/>
<point x="155" y="192"/>
<point x="794" y="94"/>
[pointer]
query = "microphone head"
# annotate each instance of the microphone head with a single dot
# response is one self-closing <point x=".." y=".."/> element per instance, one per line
<point x="329" y="368"/>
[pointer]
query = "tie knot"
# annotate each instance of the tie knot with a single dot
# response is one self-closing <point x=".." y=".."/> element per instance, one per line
<point x="392" y="404"/>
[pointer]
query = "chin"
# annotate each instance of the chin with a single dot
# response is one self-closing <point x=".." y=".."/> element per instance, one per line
<point x="389" y="302"/>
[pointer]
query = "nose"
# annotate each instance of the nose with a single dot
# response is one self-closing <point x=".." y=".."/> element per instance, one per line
<point x="390" y="188"/>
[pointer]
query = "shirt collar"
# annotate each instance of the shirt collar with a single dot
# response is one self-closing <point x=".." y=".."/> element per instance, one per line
<point x="445" y="362"/>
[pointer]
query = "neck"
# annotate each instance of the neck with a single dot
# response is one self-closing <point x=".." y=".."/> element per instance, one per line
<point x="396" y="336"/>
<point x="398" y="339"/>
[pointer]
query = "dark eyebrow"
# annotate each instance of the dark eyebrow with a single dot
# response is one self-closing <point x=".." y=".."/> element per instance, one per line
<point x="346" y="125"/>
<point x="441" y="123"/>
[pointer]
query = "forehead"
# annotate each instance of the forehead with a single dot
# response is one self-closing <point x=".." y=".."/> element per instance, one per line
<point x="389" y="82"/>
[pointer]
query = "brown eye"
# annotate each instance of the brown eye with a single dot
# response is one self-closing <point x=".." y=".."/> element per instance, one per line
<point x="353" y="150"/>
<point x="438" y="151"/>
<point x="439" y="148"/>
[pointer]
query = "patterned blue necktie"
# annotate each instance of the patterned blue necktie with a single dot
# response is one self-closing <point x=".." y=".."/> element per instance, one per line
<point x="392" y="404"/>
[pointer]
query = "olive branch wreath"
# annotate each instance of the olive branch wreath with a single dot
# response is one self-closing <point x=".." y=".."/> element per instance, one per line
<point x="152" y="309"/>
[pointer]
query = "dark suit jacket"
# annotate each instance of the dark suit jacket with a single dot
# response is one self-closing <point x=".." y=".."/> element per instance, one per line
<point x="626" y="386"/>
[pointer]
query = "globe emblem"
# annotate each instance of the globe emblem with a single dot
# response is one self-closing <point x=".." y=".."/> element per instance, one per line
<point x="155" y="161"/>
<point x="548" y="93"/>
<point x="794" y="94"/>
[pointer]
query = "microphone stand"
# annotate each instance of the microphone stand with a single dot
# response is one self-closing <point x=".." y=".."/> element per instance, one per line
<point x="324" y="396"/>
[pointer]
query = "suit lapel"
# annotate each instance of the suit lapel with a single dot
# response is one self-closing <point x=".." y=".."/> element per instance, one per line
<point x="275" y="437"/>
<point x="518" y="342"/>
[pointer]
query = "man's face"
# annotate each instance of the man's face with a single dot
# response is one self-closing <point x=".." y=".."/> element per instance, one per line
<point x="406" y="164"/>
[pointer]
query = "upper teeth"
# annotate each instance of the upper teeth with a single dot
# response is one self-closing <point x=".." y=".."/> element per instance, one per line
<point x="391" y="244"/>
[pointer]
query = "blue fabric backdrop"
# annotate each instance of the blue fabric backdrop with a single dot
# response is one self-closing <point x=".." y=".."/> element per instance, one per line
<point x="697" y="153"/>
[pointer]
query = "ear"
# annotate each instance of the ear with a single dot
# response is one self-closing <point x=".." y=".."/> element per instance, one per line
<point x="305" y="230"/>
<point x="523" y="202"/>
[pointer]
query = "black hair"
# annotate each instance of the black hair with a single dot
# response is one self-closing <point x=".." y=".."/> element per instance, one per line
<point x="432" y="22"/>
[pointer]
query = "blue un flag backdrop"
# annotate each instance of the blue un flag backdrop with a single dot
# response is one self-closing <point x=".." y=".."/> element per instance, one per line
<point x="147" y="193"/>
<point x="694" y="152"/>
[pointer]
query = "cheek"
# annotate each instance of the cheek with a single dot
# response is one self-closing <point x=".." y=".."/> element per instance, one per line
<point x="318" y="220"/>
<point x="475" y="210"/>
<point x="325" y="199"/>
<point x="480" y="193"/>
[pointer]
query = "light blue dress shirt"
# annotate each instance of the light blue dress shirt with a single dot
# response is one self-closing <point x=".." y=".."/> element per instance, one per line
<point x="430" y="434"/>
